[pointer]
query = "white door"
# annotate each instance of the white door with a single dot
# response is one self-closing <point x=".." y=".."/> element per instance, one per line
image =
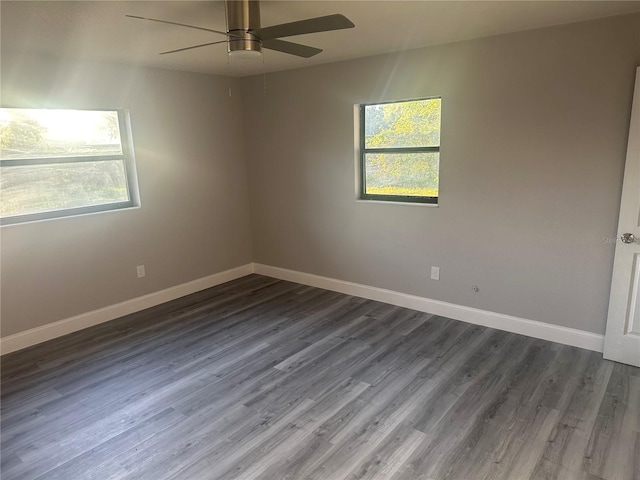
<point x="622" y="340"/>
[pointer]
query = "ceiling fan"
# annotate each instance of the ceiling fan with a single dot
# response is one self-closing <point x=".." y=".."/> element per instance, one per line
<point x="246" y="37"/>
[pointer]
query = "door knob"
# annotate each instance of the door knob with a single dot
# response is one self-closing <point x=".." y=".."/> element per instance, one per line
<point x="628" y="238"/>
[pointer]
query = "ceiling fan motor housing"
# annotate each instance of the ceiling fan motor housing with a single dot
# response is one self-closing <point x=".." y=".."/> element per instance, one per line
<point x="243" y="16"/>
<point x="245" y="37"/>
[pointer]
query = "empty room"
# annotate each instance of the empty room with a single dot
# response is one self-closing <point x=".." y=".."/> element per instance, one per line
<point x="316" y="240"/>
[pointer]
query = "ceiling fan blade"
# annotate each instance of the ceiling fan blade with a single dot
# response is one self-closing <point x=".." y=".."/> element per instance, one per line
<point x="190" y="48"/>
<point x="291" y="48"/>
<point x="184" y="25"/>
<point x="311" y="25"/>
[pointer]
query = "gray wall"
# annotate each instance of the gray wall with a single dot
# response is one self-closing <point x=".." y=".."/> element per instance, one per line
<point x="534" y="129"/>
<point x="194" y="218"/>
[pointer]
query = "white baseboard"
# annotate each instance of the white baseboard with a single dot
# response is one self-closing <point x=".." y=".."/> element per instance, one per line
<point x="50" y="331"/>
<point x="530" y="328"/>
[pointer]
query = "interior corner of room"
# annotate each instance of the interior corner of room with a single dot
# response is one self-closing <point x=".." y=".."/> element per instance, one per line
<point x="534" y="135"/>
<point x="320" y="240"/>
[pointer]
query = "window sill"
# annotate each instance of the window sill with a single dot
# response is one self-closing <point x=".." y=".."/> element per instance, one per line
<point x="390" y="202"/>
<point x="5" y="224"/>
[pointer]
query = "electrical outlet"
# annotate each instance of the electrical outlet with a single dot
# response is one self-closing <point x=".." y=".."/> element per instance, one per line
<point x="140" y="269"/>
<point x="435" y="273"/>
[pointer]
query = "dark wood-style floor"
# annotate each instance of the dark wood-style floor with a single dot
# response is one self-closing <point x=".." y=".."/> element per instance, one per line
<point x="265" y="379"/>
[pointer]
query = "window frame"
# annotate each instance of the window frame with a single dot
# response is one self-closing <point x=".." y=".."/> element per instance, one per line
<point x="364" y="151"/>
<point x="127" y="157"/>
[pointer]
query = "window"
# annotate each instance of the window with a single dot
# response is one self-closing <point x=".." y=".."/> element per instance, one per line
<point x="400" y="151"/>
<point x="56" y="163"/>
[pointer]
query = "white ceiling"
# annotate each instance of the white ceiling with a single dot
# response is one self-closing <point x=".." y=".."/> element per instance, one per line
<point x="99" y="31"/>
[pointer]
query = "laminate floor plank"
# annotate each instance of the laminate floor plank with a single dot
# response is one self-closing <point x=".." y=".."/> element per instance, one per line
<point x="578" y="410"/>
<point x="66" y="347"/>
<point x="450" y="428"/>
<point x="66" y="415"/>
<point x="374" y="423"/>
<point x="170" y="451"/>
<point x="263" y="379"/>
<point x="255" y="464"/>
<point x="144" y="356"/>
<point x="491" y="429"/>
<point x="299" y="462"/>
<point x="90" y="365"/>
<point x="388" y="461"/>
<point x="100" y="460"/>
<point x="616" y="459"/>
<point x="525" y="434"/>
<point x="399" y="388"/>
<point x="264" y="435"/>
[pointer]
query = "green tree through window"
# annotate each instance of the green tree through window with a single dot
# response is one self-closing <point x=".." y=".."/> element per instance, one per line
<point x="400" y="150"/>
<point x="63" y="162"/>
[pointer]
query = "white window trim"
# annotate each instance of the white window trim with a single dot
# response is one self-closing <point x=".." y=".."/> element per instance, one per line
<point x="127" y="156"/>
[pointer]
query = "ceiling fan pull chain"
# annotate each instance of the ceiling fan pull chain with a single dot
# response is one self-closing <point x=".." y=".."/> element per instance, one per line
<point x="264" y="77"/>
<point x="226" y="23"/>
<point x="229" y="75"/>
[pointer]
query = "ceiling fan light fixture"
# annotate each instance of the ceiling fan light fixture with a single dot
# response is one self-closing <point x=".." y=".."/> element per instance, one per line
<point x="247" y="47"/>
<point x="245" y="54"/>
